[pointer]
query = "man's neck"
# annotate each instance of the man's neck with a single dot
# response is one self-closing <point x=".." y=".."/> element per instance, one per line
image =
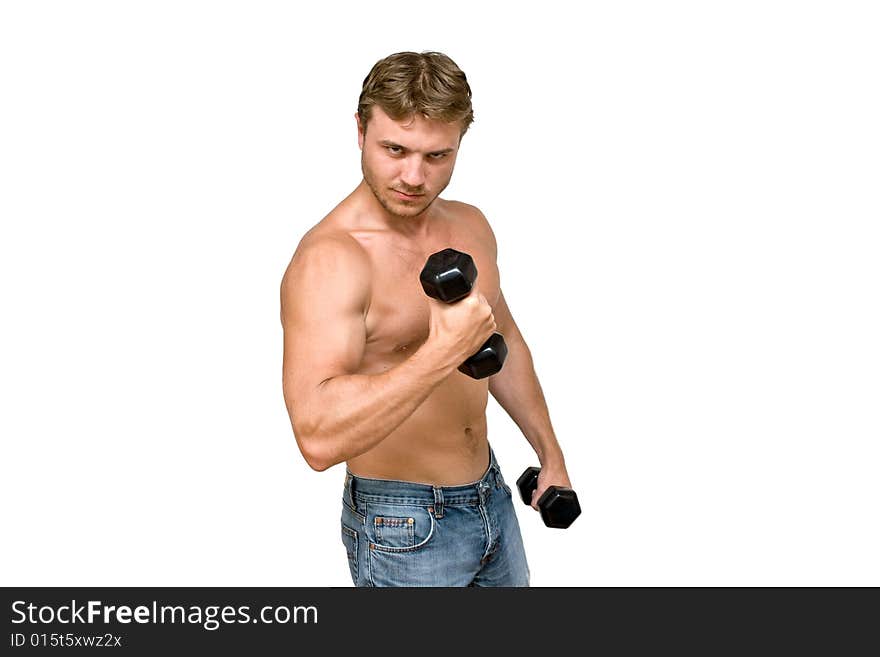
<point x="416" y="228"/>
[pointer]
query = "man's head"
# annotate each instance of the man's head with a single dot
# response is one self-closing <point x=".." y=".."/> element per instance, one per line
<point x="406" y="84"/>
<point x="412" y="113"/>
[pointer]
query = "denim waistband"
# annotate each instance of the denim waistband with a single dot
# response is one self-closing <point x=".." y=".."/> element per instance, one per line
<point x="408" y="492"/>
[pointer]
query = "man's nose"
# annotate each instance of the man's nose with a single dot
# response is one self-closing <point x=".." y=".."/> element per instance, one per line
<point x="413" y="174"/>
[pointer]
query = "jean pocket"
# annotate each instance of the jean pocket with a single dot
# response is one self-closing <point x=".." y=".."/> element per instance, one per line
<point x="398" y="528"/>
<point x="350" y="541"/>
<point x="395" y="532"/>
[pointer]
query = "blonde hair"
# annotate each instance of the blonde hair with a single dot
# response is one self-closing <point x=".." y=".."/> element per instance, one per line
<point x="408" y="83"/>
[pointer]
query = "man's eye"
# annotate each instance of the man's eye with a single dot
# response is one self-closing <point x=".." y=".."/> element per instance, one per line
<point x="438" y="156"/>
<point x="394" y="150"/>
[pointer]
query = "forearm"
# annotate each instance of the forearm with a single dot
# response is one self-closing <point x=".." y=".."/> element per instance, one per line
<point x="517" y="390"/>
<point x="354" y="413"/>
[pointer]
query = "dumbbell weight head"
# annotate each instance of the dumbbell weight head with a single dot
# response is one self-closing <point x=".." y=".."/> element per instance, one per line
<point x="527" y="483"/>
<point x="488" y="360"/>
<point x="559" y="507"/>
<point x="448" y="275"/>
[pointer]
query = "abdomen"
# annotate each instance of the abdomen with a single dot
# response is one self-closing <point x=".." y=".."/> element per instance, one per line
<point x="443" y="442"/>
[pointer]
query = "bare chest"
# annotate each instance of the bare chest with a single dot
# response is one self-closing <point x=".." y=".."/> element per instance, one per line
<point x="397" y="321"/>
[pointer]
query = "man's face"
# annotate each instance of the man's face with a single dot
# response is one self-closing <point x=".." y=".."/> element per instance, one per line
<point x="407" y="163"/>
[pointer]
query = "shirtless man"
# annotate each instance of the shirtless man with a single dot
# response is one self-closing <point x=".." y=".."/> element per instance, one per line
<point x="370" y="361"/>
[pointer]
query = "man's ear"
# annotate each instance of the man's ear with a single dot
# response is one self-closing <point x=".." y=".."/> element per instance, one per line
<point x="361" y="131"/>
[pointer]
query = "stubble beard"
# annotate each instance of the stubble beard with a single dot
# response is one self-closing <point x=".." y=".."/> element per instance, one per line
<point x="401" y="210"/>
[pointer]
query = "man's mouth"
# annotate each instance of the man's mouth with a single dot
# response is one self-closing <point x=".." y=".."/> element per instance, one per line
<point x="407" y="197"/>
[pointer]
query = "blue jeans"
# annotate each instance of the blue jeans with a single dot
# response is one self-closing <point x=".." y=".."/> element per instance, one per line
<point x="399" y="533"/>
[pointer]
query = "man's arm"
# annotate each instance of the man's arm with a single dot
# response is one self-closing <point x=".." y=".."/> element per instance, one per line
<point x="335" y="413"/>
<point x="517" y="390"/>
<point x="516" y="387"/>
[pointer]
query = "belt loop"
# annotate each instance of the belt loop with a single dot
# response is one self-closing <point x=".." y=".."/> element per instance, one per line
<point x="438" y="502"/>
<point x="499" y="478"/>
<point x="351" y="490"/>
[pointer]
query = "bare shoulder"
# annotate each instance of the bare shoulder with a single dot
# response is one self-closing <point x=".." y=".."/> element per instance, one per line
<point x="328" y="261"/>
<point x="331" y="249"/>
<point x="474" y="221"/>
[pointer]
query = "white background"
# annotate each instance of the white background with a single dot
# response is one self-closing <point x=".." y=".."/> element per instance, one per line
<point x="685" y="196"/>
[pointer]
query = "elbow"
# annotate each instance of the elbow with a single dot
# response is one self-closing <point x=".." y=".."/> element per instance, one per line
<point x="312" y="447"/>
<point x="317" y="461"/>
<point x="315" y="452"/>
<point x="317" y="449"/>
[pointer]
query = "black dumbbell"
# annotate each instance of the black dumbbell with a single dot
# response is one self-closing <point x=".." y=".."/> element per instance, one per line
<point x="448" y="276"/>
<point x="559" y="505"/>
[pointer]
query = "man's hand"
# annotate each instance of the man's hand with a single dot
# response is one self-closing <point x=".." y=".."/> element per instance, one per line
<point x="550" y="475"/>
